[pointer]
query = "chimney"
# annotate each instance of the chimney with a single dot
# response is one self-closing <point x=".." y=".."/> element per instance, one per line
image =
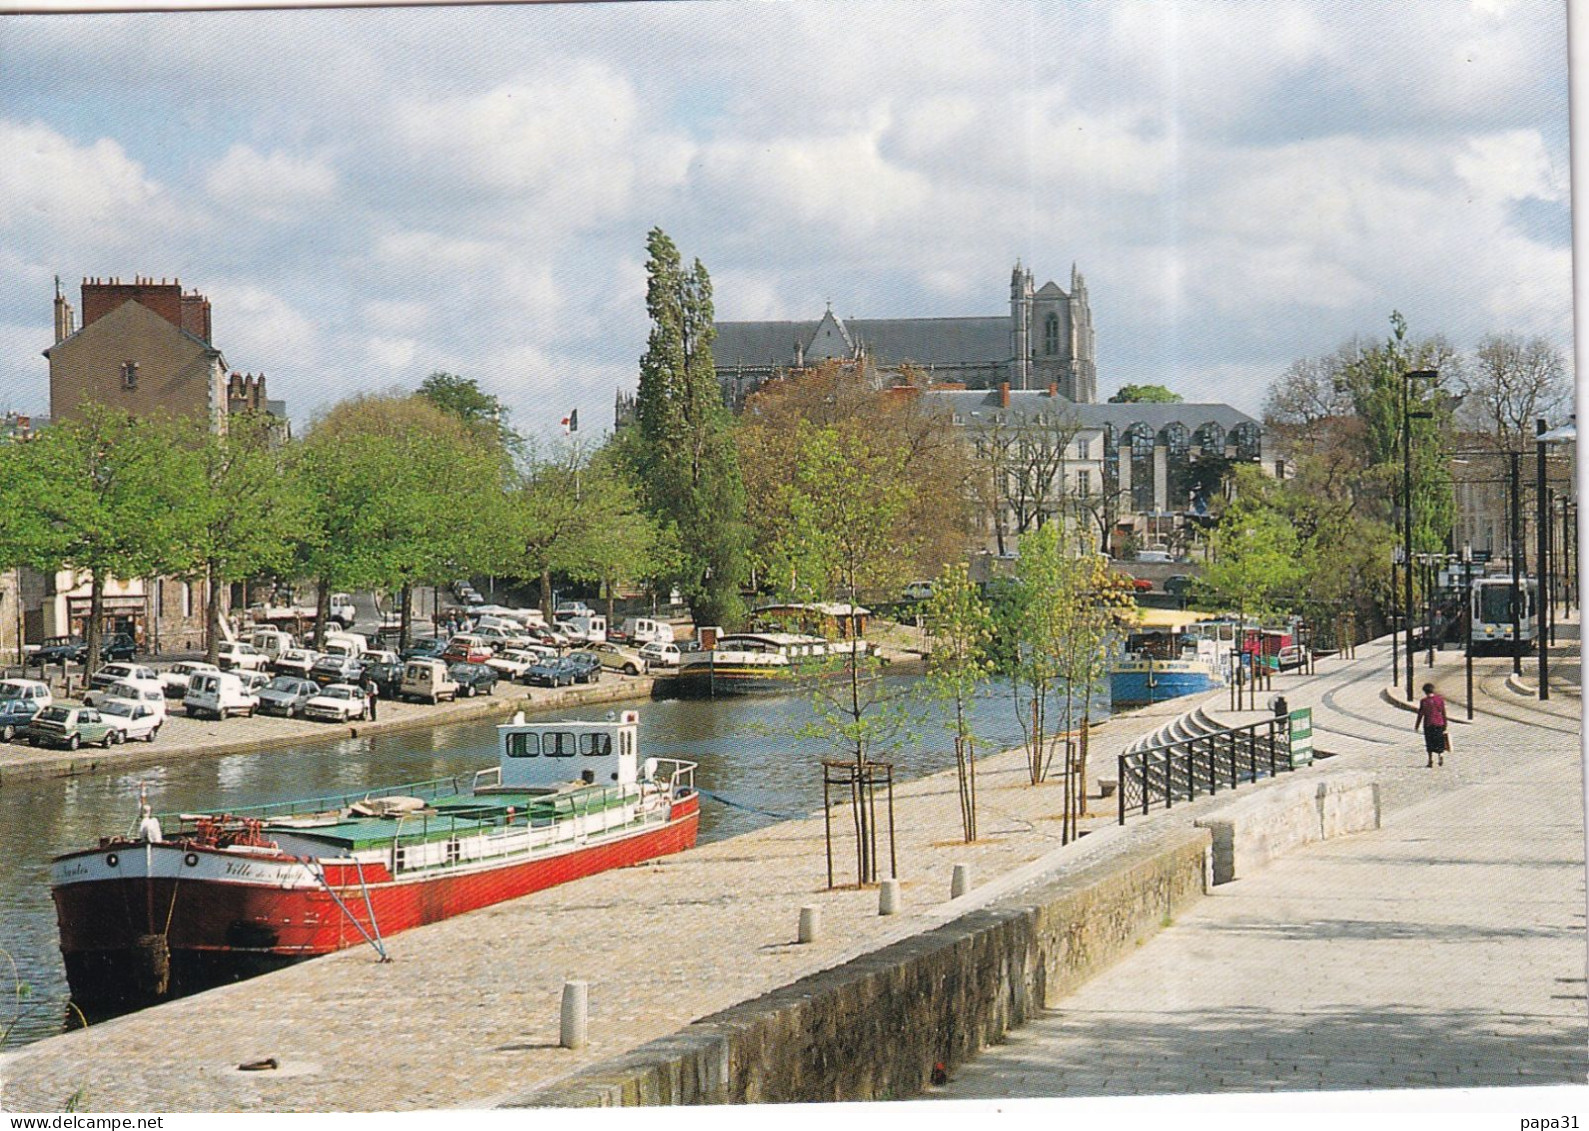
<point x="1053" y="389"/>
<point x="1004" y="395"/>
<point x="64" y="317"/>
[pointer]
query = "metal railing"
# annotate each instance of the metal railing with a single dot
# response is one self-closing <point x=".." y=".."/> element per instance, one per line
<point x="1184" y="769"/>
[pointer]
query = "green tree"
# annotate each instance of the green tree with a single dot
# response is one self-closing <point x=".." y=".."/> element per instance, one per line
<point x="463" y="398"/>
<point x="1379" y="386"/>
<point x="399" y="492"/>
<point x="109" y="495"/>
<point x="248" y="512"/>
<point x="682" y="450"/>
<point x="1039" y="618"/>
<point x="1145" y="394"/>
<point x="1255" y="560"/>
<point x="961" y="628"/>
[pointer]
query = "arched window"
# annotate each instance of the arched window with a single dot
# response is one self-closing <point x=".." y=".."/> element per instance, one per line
<point x="1051" y="333"/>
<point x="1140" y="438"/>
<point x="1210" y="439"/>
<point x="1248" y="439"/>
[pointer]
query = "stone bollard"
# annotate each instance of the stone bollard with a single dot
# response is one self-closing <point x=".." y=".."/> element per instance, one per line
<point x="961" y="882"/>
<point x="576" y="1000"/>
<point x="810" y="924"/>
<point x="888" y="897"/>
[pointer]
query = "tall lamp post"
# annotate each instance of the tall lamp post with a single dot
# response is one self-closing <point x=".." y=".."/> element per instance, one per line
<point x="1467" y="619"/>
<point x="1407" y="417"/>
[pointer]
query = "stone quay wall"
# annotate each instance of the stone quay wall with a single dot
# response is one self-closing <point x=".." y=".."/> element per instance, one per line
<point x="877" y="1026"/>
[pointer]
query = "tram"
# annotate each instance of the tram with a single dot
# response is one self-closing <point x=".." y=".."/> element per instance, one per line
<point x="1492" y="615"/>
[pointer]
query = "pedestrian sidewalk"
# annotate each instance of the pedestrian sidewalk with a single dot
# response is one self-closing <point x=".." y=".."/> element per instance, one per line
<point x="1446" y="949"/>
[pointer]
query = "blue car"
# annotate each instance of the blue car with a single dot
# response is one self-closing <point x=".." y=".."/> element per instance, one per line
<point x="16" y="713"/>
<point x="587" y="666"/>
<point x="554" y="671"/>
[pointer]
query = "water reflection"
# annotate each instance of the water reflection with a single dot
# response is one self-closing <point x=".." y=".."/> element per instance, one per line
<point x="744" y="748"/>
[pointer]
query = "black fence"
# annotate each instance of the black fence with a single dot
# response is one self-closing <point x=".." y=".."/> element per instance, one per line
<point x="1188" y="768"/>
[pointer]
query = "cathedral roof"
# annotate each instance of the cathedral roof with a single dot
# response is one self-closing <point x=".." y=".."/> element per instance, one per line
<point x="888" y="341"/>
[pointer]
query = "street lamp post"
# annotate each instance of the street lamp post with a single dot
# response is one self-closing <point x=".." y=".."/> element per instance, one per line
<point x="1395" y="630"/>
<point x="1515" y="553"/>
<point x="1542" y="564"/>
<point x="1407" y="416"/>
<point x="1467" y="619"/>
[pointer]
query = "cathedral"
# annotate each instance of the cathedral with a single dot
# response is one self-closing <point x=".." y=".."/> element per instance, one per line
<point x="1044" y="343"/>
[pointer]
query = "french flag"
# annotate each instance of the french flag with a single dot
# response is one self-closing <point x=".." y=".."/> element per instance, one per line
<point x="571" y="422"/>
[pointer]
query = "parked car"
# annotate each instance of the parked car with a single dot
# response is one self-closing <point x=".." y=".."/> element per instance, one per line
<point x="175" y="678"/>
<point x="553" y="671"/>
<point x="133" y="718"/>
<point x="1178" y="585"/>
<point x="33" y="691"/>
<point x="498" y="637"/>
<point x="125" y="673"/>
<point x="514" y="662"/>
<point x="58" y="650"/>
<point x="253" y="681"/>
<point x="587" y="666"/>
<point x="339" y="703"/>
<point x="918" y="591"/>
<point x="151" y="695"/>
<point x="242" y="655"/>
<point x="63" y="725"/>
<point x="218" y="694"/>
<point x="660" y="655"/>
<point x="616" y="656"/>
<point x="547" y="635"/>
<point x="566" y="609"/>
<point x="474" y="679"/>
<point x="295" y="661"/>
<point x="427" y="648"/>
<point x="336" y="669"/>
<point x="387" y="675"/>
<point x="427" y="678"/>
<point x="117" y="646"/>
<point x="467" y="648"/>
<point x="287" y="695"/>
<point x="16" y="713"/>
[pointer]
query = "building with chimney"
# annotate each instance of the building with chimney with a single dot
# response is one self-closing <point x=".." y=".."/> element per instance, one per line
<point x="143" y="347"/>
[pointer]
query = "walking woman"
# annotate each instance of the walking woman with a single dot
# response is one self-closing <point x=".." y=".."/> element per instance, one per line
<point x="1432" y="720"/>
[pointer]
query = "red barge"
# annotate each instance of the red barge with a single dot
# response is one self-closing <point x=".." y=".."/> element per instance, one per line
<point x="195" y="900"/>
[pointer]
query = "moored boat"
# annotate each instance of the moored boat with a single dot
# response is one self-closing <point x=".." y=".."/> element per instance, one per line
<point x="1168" y="658"/>
<point x="742" y="663"/>
<point x="194" y="900"/>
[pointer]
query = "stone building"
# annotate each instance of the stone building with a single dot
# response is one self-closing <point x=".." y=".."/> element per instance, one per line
<point x="143" y="347"/>
<point x="1045" y="340"/>
<point x="1135" y="470"/>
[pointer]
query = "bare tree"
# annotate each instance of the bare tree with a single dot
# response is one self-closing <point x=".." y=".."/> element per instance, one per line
<point x="1513" y="381"/>
<point x="1027" y="455"/>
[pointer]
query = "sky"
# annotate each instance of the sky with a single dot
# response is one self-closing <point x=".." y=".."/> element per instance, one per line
<point x="368" y="196"/>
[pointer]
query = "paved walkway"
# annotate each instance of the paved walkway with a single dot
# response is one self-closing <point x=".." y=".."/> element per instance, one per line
<point x="1446" y="949"/>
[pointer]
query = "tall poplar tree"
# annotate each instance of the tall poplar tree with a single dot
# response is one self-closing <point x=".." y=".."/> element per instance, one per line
<point x="682" y="449"/>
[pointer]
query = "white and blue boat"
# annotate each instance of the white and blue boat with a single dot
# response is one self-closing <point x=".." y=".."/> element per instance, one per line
<point x="1168" y="658"/>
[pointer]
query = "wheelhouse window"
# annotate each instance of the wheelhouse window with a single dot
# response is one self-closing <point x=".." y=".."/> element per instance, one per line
<point x="596" y="745"/>
<point x="558" y="744"/>
<point x="523" y="745"/>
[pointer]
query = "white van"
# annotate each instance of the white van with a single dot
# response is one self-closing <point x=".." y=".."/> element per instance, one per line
<point x="344" y="644"/>
<point x="428" y="680"/>
<point x="643" y="630"/>
<point x="272" y="642"/>
<point x="589" y="628"/>
<point x="342" y="609"/>
<point x="218" y="694"/>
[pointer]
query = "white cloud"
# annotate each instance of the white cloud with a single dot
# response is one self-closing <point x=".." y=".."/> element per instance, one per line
<point x="270" y="186"/>
<point x="51" y="187"/>
<point x="260" y="330"/>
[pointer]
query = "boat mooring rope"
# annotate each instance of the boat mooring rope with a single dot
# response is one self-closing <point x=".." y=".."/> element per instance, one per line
<point x="721" y="800"/>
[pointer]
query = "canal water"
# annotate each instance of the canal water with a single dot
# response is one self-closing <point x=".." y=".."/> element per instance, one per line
<point x="754" y="766"/>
